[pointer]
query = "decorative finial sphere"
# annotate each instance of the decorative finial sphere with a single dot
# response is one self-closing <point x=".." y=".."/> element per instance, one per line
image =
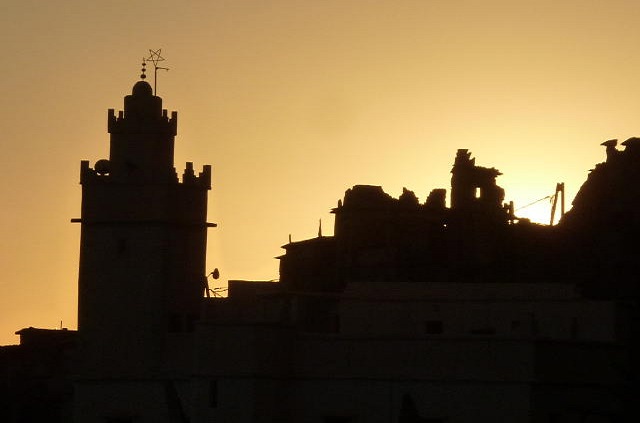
<point x="144" y="68"/>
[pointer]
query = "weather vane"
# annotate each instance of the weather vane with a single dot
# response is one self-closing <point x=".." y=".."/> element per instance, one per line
<point x="154" y="57"/>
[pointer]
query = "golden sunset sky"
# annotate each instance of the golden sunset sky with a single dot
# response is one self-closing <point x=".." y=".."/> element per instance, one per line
<point x="293" y="102"/>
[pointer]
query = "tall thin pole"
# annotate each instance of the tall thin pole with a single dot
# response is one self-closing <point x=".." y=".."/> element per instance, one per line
<point x="561" y="186"/>
<point x="560" y="192"/>
<point x="155" y="57"/>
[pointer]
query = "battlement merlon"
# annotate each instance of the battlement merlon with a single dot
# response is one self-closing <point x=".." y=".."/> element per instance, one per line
<point x="163" y="123"/>
<point x="85" y="171"/>
<point x="205" y="176"/>
<point x="203" y="179"/>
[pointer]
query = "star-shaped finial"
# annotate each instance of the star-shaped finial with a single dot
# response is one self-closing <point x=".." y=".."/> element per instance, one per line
<point x="155" y="57"/>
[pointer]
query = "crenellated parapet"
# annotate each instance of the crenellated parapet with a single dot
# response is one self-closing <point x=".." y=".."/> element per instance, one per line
<point x="100" y="173"/>
<point x="203" y="179"/>
<point x="142" y="112"/>
<point x="162" y="124"/>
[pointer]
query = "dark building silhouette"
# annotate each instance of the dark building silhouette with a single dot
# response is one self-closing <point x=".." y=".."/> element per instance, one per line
<point x="379" y="238"/>
<point x="141" y="283"/>
<point x="428" y="313"/>
<point x="35" y="376"/>
<point x="143" y="242"/>
<point x="410" y="312"/>
<point x="142" y="256"/>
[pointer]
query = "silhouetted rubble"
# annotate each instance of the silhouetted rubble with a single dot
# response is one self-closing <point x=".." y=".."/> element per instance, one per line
<point x="378" y="237"/>
<point x="601" y="232"/>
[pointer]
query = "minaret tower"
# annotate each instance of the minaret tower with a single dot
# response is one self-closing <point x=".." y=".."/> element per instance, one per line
<point x="143" y="244"/>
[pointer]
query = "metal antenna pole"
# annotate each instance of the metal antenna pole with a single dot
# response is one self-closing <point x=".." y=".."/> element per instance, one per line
<point x="155" y="57"/>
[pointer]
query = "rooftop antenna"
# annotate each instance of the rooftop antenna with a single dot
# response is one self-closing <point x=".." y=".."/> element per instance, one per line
<point x="208" y="291"/>
<point x="154" y="57"/>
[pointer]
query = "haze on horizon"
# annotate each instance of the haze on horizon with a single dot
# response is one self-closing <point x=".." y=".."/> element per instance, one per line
<point x="293" y="102"/>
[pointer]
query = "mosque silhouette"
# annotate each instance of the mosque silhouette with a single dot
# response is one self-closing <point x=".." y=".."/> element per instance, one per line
<point x="410" y="312"/>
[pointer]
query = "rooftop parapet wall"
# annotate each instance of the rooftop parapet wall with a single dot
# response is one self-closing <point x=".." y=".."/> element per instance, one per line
<point x="100" y="174"/>
<point x="372" y="197"/>
<point x="142" y="112"/>
<point x="161" y="124"/>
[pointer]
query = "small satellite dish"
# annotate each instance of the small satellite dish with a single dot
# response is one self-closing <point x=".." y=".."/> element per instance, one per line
<point x="102" y="167"/>
<point x="215" y="274"/>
